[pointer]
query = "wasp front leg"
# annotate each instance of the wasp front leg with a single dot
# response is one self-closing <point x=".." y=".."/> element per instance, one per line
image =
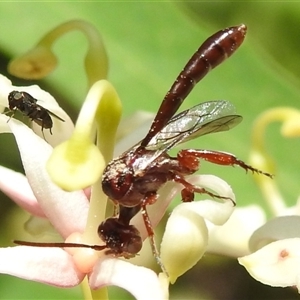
<point x="150" y="199"/>
<point x="189" y="159"/>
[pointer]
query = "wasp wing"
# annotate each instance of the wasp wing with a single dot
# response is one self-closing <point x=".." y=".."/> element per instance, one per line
<point x="204" y="118"/>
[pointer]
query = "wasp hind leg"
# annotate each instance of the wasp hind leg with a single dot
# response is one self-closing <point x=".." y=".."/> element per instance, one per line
<point x="187" y="159"/>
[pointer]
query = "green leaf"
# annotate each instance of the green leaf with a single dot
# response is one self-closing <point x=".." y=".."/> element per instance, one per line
<point x="149" y="43"/>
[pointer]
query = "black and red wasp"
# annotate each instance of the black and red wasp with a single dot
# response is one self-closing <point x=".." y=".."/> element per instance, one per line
<point x="133" y="179"/>
<point x="28" y="105"/>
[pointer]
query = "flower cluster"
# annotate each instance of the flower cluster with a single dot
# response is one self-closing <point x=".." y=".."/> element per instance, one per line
<point x="274" y="245"/>
<point x="62" y="185"/>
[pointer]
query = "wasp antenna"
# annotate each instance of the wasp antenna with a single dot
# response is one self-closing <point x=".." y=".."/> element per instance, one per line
<point x="60" y="245"/>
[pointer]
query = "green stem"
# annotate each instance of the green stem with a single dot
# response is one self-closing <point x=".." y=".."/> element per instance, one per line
<point x="108" y="115"/>
<point x="38" y="62"/>
<point x="260" y="158"/>
<point x="88" y="294"/>
<point x="96" y="61"/>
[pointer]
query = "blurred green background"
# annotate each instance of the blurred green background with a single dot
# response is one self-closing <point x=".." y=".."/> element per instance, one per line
<point x="148" y="43"/>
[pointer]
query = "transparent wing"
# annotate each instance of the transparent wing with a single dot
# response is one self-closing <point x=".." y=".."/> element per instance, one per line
<point x="54" y="115"/>
<point x="204" y="118"/>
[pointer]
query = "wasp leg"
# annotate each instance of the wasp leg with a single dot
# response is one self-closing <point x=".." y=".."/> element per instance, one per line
<point x="187" y="159"/>
<point x="187" y="193"/>
<point x="146" y="201"/>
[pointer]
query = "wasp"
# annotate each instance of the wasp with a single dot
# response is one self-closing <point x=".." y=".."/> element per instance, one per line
<point x="28" y="105"/>
<point x="133" y="179"/>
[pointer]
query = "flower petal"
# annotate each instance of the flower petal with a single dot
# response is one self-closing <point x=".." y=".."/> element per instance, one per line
<point x="15" y="185"/>
<point x="141" y="282"/>
<point x="4" y="128"/>
<point x="216" y="212"/>
<point x="47" y="265"/>
<point x="186" y="235"/>
<point x="276" y="264"/>
<point x="184" y="242"/>
<point x="232" y="238"/>
<point x="276" y="229"/>
<point x="67" y="211"/>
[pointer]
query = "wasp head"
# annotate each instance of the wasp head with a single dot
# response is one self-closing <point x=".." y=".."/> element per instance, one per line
<point x="117" y="180"/>
<point x="122" y="240"/>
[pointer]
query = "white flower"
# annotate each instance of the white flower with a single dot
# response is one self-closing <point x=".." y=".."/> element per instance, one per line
<point x="68" y="213"/>
<point x="186" y="236"/>
<point x="274" y="256"/>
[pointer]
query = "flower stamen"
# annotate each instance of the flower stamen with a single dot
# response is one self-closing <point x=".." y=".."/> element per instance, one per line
<point x="40" y="61"/>
<point x="259" y="157"/>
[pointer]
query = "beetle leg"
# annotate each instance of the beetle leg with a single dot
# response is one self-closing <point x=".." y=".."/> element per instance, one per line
<point x="187" y="158"/>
